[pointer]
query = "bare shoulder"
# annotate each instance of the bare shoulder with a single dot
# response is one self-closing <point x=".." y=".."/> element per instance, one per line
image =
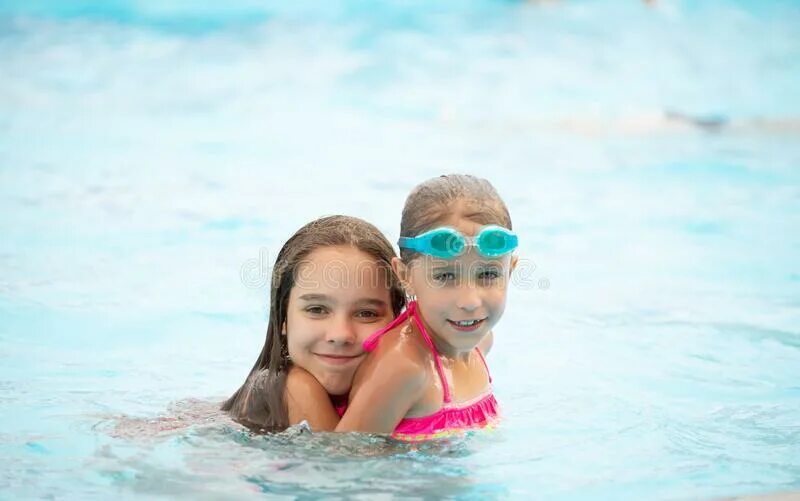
<point x="391" y="381"/>
<point x="402" y="353"/>
<point x="300" y="384"/>
<point x="404" y="343"/>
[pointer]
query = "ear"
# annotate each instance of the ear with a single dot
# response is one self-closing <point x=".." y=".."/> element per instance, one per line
<point x="402" y="271"/>
<point x="514" y="262"/>
<point x="283" y="329"/>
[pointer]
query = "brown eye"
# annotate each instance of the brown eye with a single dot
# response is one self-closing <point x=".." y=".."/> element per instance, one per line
<point x="489" y="275"/>
<point x="316" y="310"/>
<point x="368" y="315"/>
<point x="444" y="277"/>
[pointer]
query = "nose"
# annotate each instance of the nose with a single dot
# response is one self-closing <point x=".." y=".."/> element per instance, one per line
<point x="469" y="298"/>
<point x="342" y="331"/>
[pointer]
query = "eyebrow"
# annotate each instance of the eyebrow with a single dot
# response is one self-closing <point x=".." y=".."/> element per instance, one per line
<point x="325" y="297"/>
<point x="316" y="297"/>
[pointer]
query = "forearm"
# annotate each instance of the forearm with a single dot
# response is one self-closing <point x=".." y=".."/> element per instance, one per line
<point x="307" y="400"/>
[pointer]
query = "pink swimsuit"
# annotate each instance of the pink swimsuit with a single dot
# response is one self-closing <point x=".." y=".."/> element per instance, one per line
<point x="452" y="419"/>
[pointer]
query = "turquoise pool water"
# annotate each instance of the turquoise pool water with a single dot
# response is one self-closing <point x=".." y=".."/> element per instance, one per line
<point x="152" y="158"/>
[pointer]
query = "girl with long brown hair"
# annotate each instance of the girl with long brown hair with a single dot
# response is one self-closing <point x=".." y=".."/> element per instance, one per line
<point x="332" y="286"/>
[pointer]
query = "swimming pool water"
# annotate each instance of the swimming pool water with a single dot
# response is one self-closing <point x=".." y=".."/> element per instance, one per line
<point x="154" y="158"/>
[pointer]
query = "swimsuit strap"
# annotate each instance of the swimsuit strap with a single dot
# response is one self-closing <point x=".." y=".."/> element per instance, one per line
<point x="484" y="363"/>
<point x="411" y="311"/>
<point x="436" y="357"/>
<point x="372" y="341"/>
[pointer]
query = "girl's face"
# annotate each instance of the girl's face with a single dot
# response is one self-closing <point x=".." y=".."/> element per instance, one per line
<point x="460" y="299"/>
<point x="339" y="298"/>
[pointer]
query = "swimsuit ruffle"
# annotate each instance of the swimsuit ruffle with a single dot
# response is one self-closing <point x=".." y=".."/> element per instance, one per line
<point x="448" y="421"/>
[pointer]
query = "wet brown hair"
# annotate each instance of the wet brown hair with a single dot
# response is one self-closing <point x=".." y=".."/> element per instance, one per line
<point x="259" y="403"/>
<point x="432" y="201"/>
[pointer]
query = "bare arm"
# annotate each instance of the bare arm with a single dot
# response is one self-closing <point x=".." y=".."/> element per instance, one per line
<point x="307" y="400"/>
<point x="386" y="387"/>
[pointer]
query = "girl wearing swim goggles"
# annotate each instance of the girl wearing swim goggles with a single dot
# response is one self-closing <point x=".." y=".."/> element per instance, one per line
<point x="426" y="376"/>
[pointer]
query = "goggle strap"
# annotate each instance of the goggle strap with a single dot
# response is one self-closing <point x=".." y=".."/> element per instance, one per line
<point x="408" y="243"/>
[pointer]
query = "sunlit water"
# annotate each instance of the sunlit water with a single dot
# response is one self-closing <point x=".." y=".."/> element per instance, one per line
<point x="154" y="159"/>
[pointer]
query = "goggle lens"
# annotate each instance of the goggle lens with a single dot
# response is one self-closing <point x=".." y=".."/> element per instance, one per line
<point x="494" y="242"/>
<point x="447" y="243"/>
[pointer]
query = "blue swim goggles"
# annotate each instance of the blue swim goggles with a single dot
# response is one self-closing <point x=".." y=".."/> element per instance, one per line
<point x="447" y="243"/>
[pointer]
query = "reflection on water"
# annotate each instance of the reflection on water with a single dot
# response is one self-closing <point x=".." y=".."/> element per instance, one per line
<point x="194" y="445"/>
<point x="647" y="154"/>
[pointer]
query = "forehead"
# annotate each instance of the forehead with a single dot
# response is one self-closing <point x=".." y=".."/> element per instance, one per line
<point x="467" y="216"/>
<point x="461" y="223"/>
<point x="342" y="272"/>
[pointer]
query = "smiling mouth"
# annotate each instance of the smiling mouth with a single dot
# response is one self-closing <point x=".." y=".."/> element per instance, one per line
<point x="338" y="359"/>
<point x="466" y="325"/>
